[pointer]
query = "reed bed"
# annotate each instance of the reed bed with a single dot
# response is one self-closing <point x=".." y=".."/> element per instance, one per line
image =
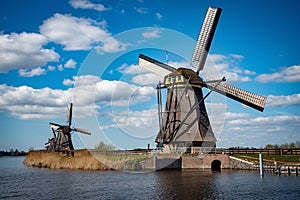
<point x="82" y="160"/>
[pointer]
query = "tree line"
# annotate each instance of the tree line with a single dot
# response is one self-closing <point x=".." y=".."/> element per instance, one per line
<point x="102" y="147"/>
<point x="292" y="145"/>
<point x="13" y="153"/>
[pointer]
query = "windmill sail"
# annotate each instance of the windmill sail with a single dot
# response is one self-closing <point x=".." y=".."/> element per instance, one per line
<point x="154" y="66"/>
<point x="69" y="116"/>
<point x="53" y="132"/>
<point x="205" y="38"/>
<point x="54" y="125"/>
<point x="248" y="98"/>
<point x="82" y="131"/>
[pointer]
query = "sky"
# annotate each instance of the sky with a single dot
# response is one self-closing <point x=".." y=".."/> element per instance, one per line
<point x="86" y="52"/>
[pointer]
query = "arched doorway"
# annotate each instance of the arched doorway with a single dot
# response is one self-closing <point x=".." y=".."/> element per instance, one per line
<point x="216" y="165"/>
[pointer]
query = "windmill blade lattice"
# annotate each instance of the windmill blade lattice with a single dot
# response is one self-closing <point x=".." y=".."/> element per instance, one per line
<point x="248" y="98"/>
<point x="205" y="38"/>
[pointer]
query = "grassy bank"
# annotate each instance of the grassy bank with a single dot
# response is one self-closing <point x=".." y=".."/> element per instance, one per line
<point x="86" y="160"/>
<point x="269" y="159"/>
<point x="124" y="161"/>
<point x="82" y="160"/>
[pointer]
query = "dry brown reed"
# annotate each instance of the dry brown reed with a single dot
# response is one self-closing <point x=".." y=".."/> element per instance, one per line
<point x="82" y="160"/>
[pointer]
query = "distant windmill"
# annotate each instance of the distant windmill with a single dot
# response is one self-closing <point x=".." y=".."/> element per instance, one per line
<point x="184" y="121"/>
<point x="61" y="140"/>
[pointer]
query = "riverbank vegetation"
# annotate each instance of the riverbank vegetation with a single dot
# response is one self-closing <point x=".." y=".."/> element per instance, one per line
<point x="120" y="159"/>
<point x="82" y="160"/>
<point x="291" y="145"/>
<point x="102" y="157"/>
<point x="270" y="159"/>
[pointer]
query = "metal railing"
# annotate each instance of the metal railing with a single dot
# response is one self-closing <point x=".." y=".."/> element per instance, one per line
<point x="263" y="151"/>
<point x="207" y="150"/>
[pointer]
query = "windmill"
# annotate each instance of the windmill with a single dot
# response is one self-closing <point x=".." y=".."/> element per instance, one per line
<point x="61" y="140"/>
<point x="184" y="123"/>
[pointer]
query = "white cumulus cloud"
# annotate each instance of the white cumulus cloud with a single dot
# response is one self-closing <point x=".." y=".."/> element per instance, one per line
<point x="111" y="45"/>
<point x="230" y="115"/>
<point x="228" y="66"/>
<point x="243" y="129"/>
<point x="89" y="89"/>
<point x="79" y="33"/>
<point x="130" y="69"/>
<point x="280" y="101"/>
<point x="151" y="33"/>
<point x="70" y="64"/>
<point x="32" y="72"/>
<point x="26" y="102"/>
<point x="120" y="93"/>
<point x="86" y="4"/>
<point x="147" y="79"/>
<point x="89" y="92"/>
<point x="286" y="74"/>
<point x="24" y="51"/>
<point x="269" y="120"/>
<point x="183" y="64"/>
<point x="136" y="118"/>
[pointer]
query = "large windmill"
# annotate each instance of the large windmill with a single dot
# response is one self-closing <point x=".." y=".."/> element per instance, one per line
<point x="61" y="140"/>
<point x="184" y="123"/>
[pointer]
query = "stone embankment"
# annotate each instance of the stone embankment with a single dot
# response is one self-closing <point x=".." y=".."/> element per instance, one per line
<point x="90" y="160"/>
<point x="236" y="163"/>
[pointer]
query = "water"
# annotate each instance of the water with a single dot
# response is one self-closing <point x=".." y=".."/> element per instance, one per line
<point x="20" y="182"/>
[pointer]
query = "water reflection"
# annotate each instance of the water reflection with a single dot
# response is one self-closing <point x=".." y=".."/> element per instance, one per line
<point x="187" y="184"/>
<point x="19" y="182"/>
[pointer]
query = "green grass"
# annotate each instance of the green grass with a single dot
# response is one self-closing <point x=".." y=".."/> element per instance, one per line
<point x="135" y="158"/>
<point x="132" y="161"/>
<point x="139" y="157"/>
<point x="269" y="158"/>
<point x="122" y="160"/>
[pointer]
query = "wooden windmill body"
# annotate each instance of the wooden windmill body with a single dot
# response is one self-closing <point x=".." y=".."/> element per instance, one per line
<point x="184" y="123"/>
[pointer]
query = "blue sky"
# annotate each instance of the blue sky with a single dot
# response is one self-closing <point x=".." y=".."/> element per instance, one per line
<point x="55" y="52"/>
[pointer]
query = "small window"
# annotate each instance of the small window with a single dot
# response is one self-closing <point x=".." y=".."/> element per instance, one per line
<point x="169" y="80"/>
